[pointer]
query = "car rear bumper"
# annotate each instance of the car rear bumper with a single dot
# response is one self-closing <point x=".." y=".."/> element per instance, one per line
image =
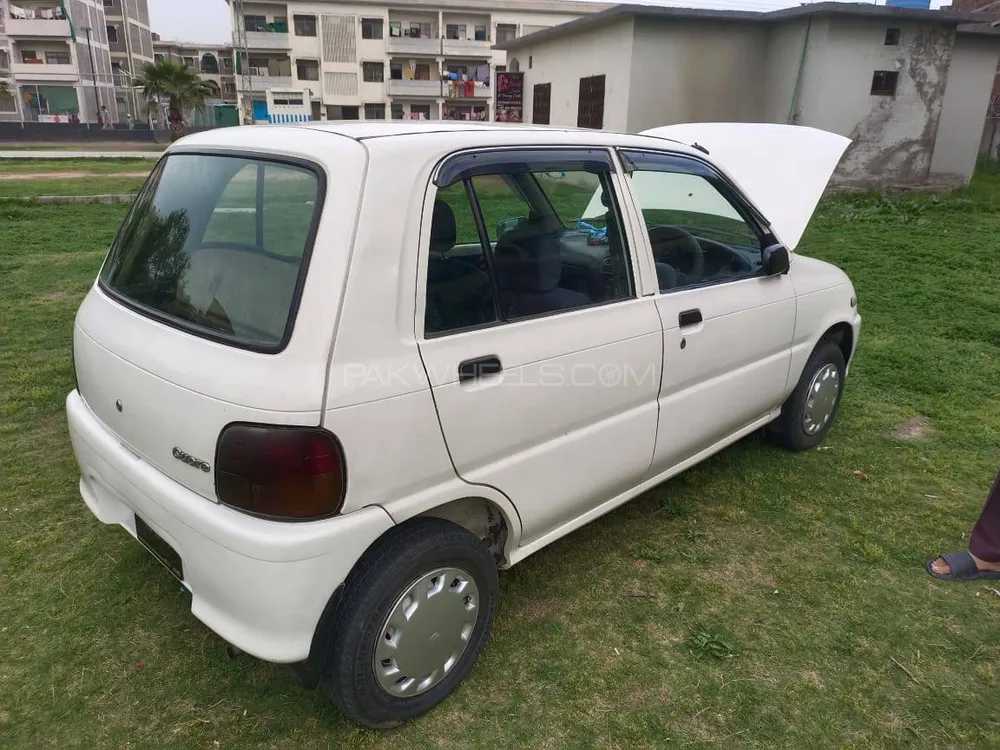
<point x="261" y="585"/>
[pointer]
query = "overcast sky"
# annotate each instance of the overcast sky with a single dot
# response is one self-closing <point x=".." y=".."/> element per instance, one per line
<point x="208" y="20"/>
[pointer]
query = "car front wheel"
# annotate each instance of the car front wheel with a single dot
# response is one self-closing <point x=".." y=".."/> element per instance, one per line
<point x="415" y="615"/>
<point x="808" y="414"/>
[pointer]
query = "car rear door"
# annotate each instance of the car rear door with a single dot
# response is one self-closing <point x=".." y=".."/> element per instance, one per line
<point x="543" y="356"/>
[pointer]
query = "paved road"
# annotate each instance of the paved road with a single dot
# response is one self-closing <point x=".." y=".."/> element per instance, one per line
<point x="80" y="154"/>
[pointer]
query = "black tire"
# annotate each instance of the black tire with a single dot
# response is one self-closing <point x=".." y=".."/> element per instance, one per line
<point x="375" y="586"/>
<point x="789" y="429"/>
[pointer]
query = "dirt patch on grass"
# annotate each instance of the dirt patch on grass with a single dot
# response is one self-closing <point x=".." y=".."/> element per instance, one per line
<point x="65" y="175"/>
<point x="913" y="428"/>
<point x="55" y="296"/>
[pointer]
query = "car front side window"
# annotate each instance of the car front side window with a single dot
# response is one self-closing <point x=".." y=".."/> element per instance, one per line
<point x="698" y="234"/>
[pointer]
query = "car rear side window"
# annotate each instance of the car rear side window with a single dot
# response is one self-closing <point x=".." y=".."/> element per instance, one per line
<point x="218" y="245"/>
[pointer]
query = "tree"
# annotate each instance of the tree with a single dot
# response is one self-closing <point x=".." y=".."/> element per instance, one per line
<point x="179" y="84"/>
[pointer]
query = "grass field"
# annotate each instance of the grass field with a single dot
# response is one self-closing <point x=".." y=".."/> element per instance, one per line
<point x="760" y="600"/>
<point x="107" y="146"/>
<point x="30" y="178"/>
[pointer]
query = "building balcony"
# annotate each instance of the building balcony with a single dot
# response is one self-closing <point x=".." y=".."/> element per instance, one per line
<point x="257" y="40"/>
<point x="413" y="45"/>
<point x="466" y="48"/>
<point x="415" y="88"/>
<point x="462" y="90"/>
<point x="262" y="83"/>
<point x="45" y="73"/>
<point x="38" y="28"/>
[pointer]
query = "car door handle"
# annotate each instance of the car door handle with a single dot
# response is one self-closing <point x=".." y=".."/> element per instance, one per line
<point x="689" y="318"/>
<point x="480" y="367"/>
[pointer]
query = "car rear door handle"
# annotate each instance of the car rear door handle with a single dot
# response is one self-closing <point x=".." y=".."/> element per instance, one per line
<point x="689" y="318"/>
<point x="480" y="367"/>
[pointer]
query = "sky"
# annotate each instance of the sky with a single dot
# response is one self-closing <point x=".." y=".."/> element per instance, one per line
<point x="207" y="21"/>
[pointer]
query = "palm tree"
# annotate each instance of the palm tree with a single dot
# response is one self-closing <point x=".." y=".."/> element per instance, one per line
<point x="179" y="84"/>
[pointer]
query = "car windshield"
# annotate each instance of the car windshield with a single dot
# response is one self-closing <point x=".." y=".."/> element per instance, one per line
<point x="218" y="245"/>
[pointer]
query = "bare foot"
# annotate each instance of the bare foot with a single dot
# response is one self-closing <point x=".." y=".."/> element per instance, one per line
<point x="940" y="567"/>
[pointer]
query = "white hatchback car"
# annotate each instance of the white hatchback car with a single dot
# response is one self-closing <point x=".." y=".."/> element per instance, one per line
<point x="334" y="376"/>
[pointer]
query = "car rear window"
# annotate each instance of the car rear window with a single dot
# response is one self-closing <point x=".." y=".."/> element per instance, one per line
<point x="218" y="245"/>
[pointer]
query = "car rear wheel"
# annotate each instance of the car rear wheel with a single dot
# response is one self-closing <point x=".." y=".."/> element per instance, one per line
<point x="808" y="414"/>
<point x="415" y="616"/>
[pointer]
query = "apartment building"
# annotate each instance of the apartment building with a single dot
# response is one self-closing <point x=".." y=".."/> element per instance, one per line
<point x="214" y="63"/>
<point x="56" y="57"/>
<point x="130" y="42"/>
<point x="372" y="60"/>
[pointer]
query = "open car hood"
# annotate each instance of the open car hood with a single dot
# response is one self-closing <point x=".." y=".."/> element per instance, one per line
<point x="782" y="169"/>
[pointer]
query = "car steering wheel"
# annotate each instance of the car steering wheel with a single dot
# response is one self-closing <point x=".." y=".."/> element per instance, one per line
<point x="669" y="239"/>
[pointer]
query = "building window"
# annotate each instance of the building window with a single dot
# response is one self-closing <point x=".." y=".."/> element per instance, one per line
<point x="481" y="34"/>
<point x="157" y="58"/>
<point x="374" y="111"/>
<point x="531" y="62"/>
<point x="397" y="111"/>
<point x="501" y="68"/>
<point x="371" y="28"/>
<point x="420" y="109"/>
<point x="307" y="70"/>
<point x="29" y="56"/>
<point x="892" y="37"/>
<point x="590" y="108"/>
<point x="255" y="23"/>
<point x="372" y="72"/>
<point x="304" y="25"/>
<point x="57" y="58"/>
<point x="455" y="31"/>
<point x="112" y="34"/>
<point x="884" y="83"/>
<point x="541" y="103"/>
<point x="188" y="62"/>
<point x="338" y="112"/>
<point x="419" y="31"/>
<point x="506" y="32"/>
<point x="422" y="72"/>
<point x="209" y="64"/>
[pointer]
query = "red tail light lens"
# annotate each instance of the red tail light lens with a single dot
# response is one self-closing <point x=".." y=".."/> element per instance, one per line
<point x="287" y="473"/>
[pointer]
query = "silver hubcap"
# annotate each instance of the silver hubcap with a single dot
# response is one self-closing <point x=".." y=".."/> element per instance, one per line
<point x="426" y="632"/>
<point x="823" y="392"/>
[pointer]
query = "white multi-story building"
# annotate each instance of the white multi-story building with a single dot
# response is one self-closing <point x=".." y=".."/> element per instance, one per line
<point x="373" y="60"/>
<point x="63" y="57"/>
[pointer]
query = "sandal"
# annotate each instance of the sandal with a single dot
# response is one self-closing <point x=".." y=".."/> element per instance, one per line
<point x="962" y="566"/>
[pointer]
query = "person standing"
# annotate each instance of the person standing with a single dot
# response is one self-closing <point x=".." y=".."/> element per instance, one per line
<point x="106" y="119"/>
<point x="982" y="559"/>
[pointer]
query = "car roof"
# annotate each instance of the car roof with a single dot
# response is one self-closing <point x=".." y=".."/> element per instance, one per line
<point x="303" y="139"/>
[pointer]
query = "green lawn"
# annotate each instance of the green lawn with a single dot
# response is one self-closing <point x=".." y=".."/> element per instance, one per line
<point x="91" y="166"/>
<point x="107" y="146"/>
<point x="806" y="569"/>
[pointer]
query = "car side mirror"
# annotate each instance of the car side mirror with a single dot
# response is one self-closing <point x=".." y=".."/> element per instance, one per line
<point x="776" y="260"/>
<point x="510" y="224"/>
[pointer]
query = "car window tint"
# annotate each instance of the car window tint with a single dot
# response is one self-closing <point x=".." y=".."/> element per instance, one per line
<point x="500" y="199"/>
<point x="216" y="244"/>
<point x="555" y="244"/>
<point x="459" y="288"/>
<point x="697" y="234"/>
<point x="567" y="253"/>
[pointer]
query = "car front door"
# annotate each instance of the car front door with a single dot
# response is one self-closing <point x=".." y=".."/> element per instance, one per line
<point x="727" y="326"/>
<point x="543" y="358"/>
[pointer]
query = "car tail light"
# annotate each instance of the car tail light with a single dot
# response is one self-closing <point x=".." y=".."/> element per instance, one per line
<point x="289" y="473"/>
